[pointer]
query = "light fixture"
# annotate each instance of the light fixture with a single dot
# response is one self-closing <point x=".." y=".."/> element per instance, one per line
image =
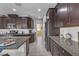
<point x="39" y="10"/>
<point x="14" y="9"/>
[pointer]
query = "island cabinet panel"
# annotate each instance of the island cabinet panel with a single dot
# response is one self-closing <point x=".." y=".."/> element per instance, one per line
<point x="57" y="50"/>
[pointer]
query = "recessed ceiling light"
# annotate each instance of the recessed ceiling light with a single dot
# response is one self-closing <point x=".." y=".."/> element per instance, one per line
<point x="14" y="9"/>
<point x="39" y="10"/>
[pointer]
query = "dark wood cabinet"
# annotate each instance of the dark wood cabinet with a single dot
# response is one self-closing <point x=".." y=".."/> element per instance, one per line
<point x="54" y="49"/>
<point x="52" y="22"/>
<point x="20" y="22"/>
<point x="74" y="14"/>
<point x="32" y="38"/>
<point x="62" y="11"/>
<point x="63" y="14"/>
<point x="50" y="14"/>
<point x="30" y="23"/>
<point x="3" y="22"/>
<point x="68" y="13"/>
<point x="23" y="22"/>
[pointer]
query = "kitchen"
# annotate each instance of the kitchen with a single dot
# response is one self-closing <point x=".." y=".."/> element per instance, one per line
<point x="20" y="27"/>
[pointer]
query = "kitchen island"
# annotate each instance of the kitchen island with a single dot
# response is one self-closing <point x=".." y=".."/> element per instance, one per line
<point x="60" y="47"/>
<point x="20" y="48"/>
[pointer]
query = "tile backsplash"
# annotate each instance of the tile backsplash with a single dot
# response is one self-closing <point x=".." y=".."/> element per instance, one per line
<point x="72" y="30"/>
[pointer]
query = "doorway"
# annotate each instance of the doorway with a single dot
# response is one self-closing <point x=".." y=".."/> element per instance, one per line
<point x="39" y="34"/>
<point x="39" y="30"/>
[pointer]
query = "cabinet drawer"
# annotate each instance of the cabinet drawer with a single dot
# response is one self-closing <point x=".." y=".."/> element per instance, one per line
<point x="63" y="52"/>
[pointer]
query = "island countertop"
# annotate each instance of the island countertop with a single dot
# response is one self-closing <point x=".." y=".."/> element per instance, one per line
<point x="19" y="41"/>
<point x="73" y="49"/>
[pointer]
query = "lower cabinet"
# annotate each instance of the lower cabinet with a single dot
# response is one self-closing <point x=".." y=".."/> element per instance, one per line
<point x="48" y="44"/>
<point x="54" y="49"/>
<point x="57" y="50"/>
<point x="63" y="52"/>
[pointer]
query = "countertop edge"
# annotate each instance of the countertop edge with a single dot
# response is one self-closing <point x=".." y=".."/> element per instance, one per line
<point x="8" y="47"/>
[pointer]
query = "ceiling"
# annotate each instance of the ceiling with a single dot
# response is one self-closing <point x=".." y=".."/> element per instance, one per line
<point x="26" y="9"/>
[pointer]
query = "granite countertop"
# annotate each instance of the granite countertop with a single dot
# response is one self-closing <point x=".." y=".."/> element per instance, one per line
<point x="15" y="35"/>
<point x="72" y="47"/>
<point x="19" y="42"/>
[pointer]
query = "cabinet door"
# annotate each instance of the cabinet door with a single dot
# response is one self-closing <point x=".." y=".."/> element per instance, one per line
<point x="52" y="47"/>
<point x="74" y="14"/>
<point x="62" y="13"/>
<point x="21" y="23"/>
<point x="50" y="13"/>
<point x="47" y="43"/>
<point x="0" y="23"/>
<point x="18" y="23"/>
<point x="29" y="23"/>
<point x="24" y="23"/>
<point x="55" y="49"/>
<point x="63" y="52"/>
<point x="4" y="23"/>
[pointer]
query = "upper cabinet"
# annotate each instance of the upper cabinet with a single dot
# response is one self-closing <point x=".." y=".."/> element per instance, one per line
<point x="63" y="13"/>
<point x="30" y="23"/>
<point x="74" y="14"/>
<point x="68" y="14"/>
<point x="50" y="14"/>
<point x="16" y="22"/>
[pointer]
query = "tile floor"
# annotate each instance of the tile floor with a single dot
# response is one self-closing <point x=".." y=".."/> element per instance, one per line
<point x="38" y="48"/>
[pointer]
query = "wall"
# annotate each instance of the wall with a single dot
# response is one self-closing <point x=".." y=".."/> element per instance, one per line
<point x="44" y="21"/>
<point x="72" y="30"/>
